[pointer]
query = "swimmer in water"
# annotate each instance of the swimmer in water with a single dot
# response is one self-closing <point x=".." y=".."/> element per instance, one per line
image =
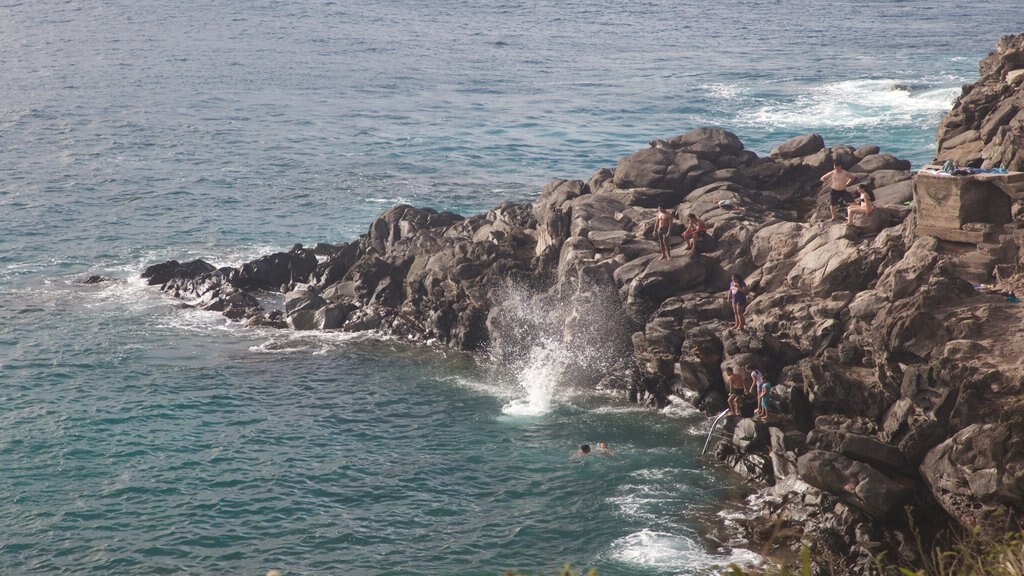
<point x="583" y="451"/>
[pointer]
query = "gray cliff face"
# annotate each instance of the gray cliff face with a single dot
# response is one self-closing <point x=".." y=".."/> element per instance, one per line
<point x="896" y="383"/>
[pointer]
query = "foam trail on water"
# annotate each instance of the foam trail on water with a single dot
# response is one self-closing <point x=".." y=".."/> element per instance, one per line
<point x="857" y="103"/>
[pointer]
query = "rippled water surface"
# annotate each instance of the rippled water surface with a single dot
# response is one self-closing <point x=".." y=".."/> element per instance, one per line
<point x="137" y="437"/>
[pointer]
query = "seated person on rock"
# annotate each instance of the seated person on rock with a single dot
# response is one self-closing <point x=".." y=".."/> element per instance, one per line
<point x="695" y="229"/>
<point x="867" y="203"/>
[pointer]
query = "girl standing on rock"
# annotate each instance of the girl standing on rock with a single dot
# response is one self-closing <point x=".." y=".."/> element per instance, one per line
<point x="738" y="297"/>
<point x="760" y="385"/>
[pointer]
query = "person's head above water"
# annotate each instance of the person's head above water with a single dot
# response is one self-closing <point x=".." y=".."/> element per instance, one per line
<point x="585" y="448"/>
<point x="602" y="445"/>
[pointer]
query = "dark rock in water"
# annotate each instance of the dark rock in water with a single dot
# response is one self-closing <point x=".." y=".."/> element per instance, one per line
<point x="163" y="273"/>
<point x="276" y="270"/>
<point x="96" y="279"/>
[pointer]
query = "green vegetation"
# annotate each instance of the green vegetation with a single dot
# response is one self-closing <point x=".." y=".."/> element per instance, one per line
<point x="972" y="554"/>
<point x="565" y="571"/>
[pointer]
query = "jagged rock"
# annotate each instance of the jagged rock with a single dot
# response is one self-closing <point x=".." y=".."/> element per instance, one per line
<point x="553" y="224"/>
<point x="337" y="264"/>
<point x="831" y="390"/>
<point x="825" y="268"/>
<point x="404" y="220"/>
<point x="276" y="270"/>
<point x="662" y="279"/>
<point x="911" y="272"/>
<point x="786" y="448"/>
<point x="986" y="125"/>
<point x="750" y="434"/>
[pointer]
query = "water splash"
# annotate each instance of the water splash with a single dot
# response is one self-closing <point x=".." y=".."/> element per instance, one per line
<point x="539" y="379"/>
<point x="553" y="347"/>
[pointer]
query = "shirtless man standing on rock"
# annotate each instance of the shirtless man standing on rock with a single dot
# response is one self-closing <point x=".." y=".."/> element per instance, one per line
<point x="838" y="179"/>
<point x="662" y="227"/>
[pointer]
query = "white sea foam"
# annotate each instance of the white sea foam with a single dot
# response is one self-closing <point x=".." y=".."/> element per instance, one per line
<point x="856" y="103"/>
<point x="674" y="553"/>
<point x="619" y="408"/>
<point x="646" y="499"/>
<point x="680" y="408"/>
<point x="314" y="342"/>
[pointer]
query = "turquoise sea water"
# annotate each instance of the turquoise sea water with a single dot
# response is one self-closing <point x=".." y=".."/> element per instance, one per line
<point x="137" y="437"/>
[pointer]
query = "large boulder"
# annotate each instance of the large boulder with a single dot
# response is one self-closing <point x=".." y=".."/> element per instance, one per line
<point x="977" y="472"/>
<point x="856" y="483"/>
<point x="660" y="168"/>
<point x="750" y="434"/>
<point x="708" y="142"/>
<point x="876" y="162"/>
<point x="827" y="267"/>
<point x="663" y="279"/>
<point x="803" y="145"/>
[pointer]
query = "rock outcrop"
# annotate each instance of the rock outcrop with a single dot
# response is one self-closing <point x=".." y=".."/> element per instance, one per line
<point x="985" y="129"/>
<point x="896" y="382"/>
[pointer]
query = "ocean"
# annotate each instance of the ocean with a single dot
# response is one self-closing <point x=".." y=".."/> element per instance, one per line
<point x="140" y="437"/>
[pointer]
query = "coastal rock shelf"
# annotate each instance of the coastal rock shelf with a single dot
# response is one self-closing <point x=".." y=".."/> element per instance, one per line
<point x="896" y="382"/>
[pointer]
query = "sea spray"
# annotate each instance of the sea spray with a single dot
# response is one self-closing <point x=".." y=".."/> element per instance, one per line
<point x="552" y="346"/>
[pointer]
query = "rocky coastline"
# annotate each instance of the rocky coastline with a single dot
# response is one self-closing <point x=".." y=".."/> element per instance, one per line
<point x="898" y="384"/>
